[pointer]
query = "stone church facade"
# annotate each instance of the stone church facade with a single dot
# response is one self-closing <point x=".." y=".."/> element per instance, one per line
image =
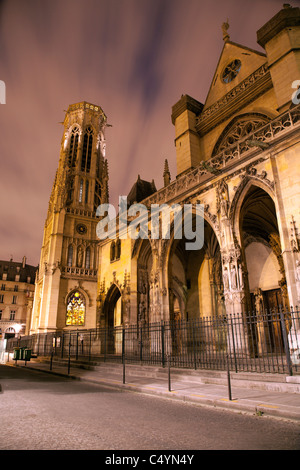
<point x="237" y="156"/>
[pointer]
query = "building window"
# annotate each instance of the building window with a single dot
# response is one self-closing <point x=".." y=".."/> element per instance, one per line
<point x="86" y="200"/>
<point x="70" y="256"/>
<point x="0" y="314"/>
<point x="3" y="287"/>
<point x="70" y="189"/>
<point x="87" y="150"/>
<point x="231" y="71"/>
<point x="14" y="301"/>
<point x="112" y="250"/>
<point x="75" y="309"/>
<point x="12" y="314"/>
<point x="87" y="258"/>
<point x="73" y="147"/>
<point x="1" y="298"/>
<point x="80" y="190"/>
<point x="16" y="288"/>
<point x="115" y="250"/>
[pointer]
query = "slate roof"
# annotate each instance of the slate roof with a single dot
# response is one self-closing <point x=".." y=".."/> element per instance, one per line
<point x="140" y="191"/>
<point x="12" y="268"/>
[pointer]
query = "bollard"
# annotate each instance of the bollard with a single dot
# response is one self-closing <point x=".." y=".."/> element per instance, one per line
<point x="51" y="359"/>
<point x="123" y="353"/>
<point x="69" y="359"/>
<point x="228" y="378"/>
<point x="169" y="373"/>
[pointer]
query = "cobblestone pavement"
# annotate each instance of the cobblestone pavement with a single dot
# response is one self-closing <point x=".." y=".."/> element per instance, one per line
<point x="46" y="412"/>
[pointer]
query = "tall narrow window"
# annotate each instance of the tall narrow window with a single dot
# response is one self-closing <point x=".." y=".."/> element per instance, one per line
<point x="75" y="309"/>
<point x="86" y="199"/>
<point x="87" y="258"/>
<point x="70" y="255"/>
<point x="73" y="147"/>
<point x="80" y="190"/>
<point x="112" y="250"/>
<point x="87" y="150"/>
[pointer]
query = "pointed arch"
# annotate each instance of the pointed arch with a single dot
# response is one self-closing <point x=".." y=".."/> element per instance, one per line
<point x="76" y="309"/>
<point x="240" y="195"/>
<point x="238" y="128"/>
<point x="73" y="146"/>
<point x="113" y="297"/>
<point x="87" y="149"/>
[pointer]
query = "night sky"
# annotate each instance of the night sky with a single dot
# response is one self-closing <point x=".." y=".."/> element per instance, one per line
<point x="134" y="58"/>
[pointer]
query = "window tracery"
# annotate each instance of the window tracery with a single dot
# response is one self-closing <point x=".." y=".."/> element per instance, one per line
<point x="87" y="150"/>
<point x="75" y="309"/>
<point x="73" y="147"/>
<point x="231" y="70"/>
<point x="238" y="129"/>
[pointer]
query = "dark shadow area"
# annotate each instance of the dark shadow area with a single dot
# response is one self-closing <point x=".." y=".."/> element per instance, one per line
<point x="20" y="378"/>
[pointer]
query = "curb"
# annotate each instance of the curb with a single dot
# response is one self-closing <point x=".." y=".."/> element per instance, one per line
<point x="235" y="405"/>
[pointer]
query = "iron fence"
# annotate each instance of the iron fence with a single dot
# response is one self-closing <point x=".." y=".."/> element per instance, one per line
<point x="269" y="342"/>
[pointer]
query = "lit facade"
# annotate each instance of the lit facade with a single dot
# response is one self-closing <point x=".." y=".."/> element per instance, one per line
<point x="237" y="155"/>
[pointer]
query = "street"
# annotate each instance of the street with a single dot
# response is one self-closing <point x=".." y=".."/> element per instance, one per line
<point x="41" y="411"/>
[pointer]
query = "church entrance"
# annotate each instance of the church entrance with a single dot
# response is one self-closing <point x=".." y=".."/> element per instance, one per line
<point x="266" y="281"/>
<point x="195" y="279"/>
<point x="113" y="320"/>
<point x="269" y="328"/>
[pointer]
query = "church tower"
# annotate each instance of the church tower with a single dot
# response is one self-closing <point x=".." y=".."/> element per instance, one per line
<point x="66" y="282"/>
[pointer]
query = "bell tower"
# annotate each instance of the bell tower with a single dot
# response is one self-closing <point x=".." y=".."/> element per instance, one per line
<point x="66" y="283"/>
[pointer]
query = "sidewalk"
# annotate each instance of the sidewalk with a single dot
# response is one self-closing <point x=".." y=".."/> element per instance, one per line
<point x="259" y="394"/>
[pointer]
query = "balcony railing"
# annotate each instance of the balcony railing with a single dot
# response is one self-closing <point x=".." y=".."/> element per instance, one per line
<point x="79" y="271"/>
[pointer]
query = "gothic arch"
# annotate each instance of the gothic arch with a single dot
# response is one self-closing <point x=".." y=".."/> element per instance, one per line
<point x="191" y="276"/>
<point x="209" y="219"/>
<point x="88" y="300"/>
<point x="239" y="198"/>
<point x="112" y="297"/>
<point x="238" y="128"/>
<point x="75" y="308"/>
<point x="256" y="228"/>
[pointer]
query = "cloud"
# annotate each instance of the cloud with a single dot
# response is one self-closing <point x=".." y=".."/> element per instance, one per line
<point x="134" y="58"/>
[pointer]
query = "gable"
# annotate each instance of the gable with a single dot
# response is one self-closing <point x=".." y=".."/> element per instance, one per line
<point x="236" y="63"/>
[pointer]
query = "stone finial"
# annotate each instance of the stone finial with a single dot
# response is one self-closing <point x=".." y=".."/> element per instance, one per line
<point x="167" y="174"/>
<point x="225" y="27"/>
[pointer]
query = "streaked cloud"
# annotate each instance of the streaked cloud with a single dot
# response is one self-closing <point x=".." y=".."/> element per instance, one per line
<point x="134" y="58"/>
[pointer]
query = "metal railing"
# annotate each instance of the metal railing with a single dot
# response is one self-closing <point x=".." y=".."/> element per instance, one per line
<point x="269" y="342"/>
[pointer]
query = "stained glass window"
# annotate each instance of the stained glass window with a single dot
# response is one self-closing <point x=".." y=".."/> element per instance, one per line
<point x="75" y="309"/>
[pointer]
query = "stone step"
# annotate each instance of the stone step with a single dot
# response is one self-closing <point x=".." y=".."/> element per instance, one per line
<point x="253" y="380"/>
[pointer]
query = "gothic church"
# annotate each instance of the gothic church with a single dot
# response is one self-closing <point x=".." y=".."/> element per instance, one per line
<point x="238" y="154"/>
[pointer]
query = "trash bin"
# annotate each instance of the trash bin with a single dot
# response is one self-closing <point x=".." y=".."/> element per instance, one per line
<point x="16" y="354"/>
<point x="27" y="354"/>
<point x="22" y="354"/>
